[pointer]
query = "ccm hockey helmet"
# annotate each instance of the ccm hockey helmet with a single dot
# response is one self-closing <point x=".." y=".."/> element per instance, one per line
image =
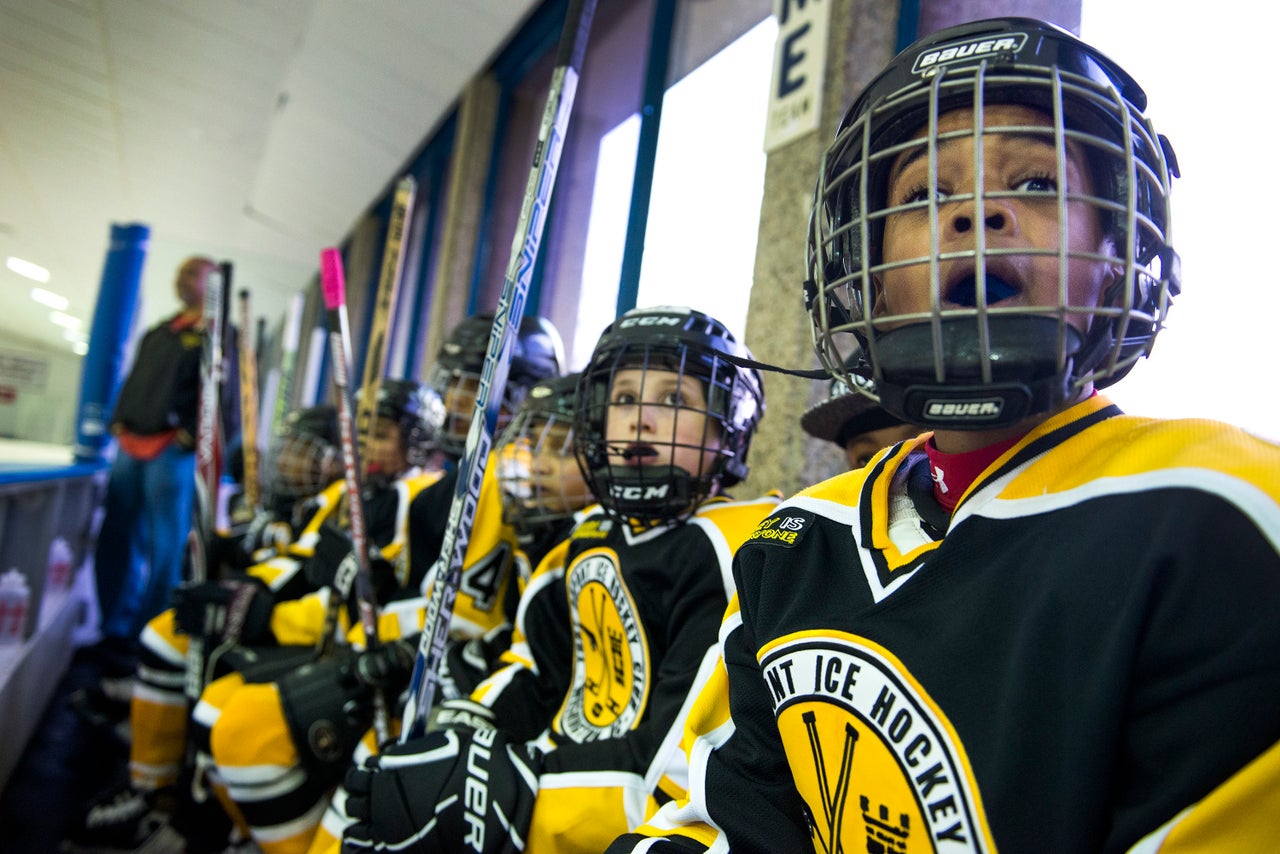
<point x="536" y="354"/>
<point x="537" y="469"/>
<point x="978" y="358"/>
<point x="686" y="342"/>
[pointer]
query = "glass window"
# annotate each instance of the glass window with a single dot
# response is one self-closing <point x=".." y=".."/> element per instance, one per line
<point x="1223" y="317"/>
<point x="704" y="208"/>
<point x="704" y="212"/>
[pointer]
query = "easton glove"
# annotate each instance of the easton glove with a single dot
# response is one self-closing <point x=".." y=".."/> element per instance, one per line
<point x="449" y="791"/>
<point x="461" y="713"/>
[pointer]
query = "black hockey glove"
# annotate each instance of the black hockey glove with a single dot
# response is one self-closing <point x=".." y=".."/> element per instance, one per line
<point x="387" y="665"/>
<point x="327" y="708"/>
<point x="332" y="547"/>
<point x="235" y="610"/>
<point x="429" y="795"/>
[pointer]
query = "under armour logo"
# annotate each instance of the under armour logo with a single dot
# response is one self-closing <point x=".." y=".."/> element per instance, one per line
<point x="938" y="474"/>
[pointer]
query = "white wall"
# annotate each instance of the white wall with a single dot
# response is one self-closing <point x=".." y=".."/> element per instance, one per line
<point x="43" y="410"/>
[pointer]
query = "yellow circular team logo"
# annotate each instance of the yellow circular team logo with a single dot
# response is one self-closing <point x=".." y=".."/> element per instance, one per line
<point x="876" y="762"/>
<point x="610" y="668"/>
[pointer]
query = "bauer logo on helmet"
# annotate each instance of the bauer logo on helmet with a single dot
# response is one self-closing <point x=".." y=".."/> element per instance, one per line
<point x="928" y="62"/>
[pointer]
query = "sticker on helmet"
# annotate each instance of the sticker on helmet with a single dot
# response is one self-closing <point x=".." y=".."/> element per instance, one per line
<point x="928" y="62"/>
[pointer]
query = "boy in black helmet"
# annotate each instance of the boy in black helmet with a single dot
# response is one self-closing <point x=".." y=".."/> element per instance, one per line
<point x="1046" y="625"/>
<point x="576" y="738"/>
<point x="537" y="354"/>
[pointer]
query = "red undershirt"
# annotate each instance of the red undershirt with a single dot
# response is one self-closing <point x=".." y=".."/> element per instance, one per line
<point x="952" y="473"/>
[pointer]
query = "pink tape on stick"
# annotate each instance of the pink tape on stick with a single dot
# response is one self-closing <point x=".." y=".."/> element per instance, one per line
<point x="331" y="278"/>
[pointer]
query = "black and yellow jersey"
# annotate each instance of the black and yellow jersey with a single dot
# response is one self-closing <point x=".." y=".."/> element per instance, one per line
<point x="296" y="619"/>
<point x="615" y="633"/>
<point x="1088" y="660"/>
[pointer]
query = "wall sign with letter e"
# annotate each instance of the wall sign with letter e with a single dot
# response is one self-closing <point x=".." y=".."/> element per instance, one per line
<point x="799" y="62"/>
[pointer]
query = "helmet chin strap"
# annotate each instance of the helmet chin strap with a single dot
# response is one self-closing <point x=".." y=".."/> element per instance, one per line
<point x="979" y="407"/>
<point x="1027" y="373"/>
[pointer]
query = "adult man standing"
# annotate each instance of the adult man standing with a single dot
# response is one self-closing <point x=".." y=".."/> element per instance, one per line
<point x="142" y="542"/>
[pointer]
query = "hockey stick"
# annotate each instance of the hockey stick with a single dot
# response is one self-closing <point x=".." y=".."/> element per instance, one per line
<point x="288" y="362"/>
<point x="335" y="300"/>
<point x="249" y="410"/>
<point x="447" y="571"/>
<point x="375" y="359"/>
<point x="207" y="475"/>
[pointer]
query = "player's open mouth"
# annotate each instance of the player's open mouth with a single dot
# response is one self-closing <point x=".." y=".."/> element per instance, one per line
<point x="964" y="292"/>
<point x="635" y="454"/>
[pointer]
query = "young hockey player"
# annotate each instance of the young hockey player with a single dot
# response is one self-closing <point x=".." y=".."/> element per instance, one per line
<point x="272" y="605"/>
<point x="264" y="743"/>
<point x="577" y="736"/>
<point x="282" y="800"/>
<point x="303" y="460"/>
<point x="1047" y="626"/>
<point x="536" y="354"/>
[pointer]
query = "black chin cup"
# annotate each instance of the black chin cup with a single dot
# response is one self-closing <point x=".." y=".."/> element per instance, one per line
<point x="1028" y="375"/>
<point x="656" y="493"/>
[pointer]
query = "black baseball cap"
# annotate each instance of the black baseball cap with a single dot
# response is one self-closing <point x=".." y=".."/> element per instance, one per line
<point x="845" y="414"/>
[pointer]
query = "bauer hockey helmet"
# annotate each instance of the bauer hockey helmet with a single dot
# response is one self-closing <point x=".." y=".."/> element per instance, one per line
<point x="969" y="362"/>
<point x="536" y="353"/>
<point x="418" y="410"/>
<point x="537" y="468"/>
<point x="669" y="339"/>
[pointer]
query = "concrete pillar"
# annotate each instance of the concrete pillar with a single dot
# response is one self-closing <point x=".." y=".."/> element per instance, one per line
<point x="783" y="457"/>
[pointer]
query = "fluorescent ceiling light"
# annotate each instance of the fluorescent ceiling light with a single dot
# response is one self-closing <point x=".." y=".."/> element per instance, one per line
<point x="80" y="347"/>
<point x="63" y="319"/>
<point x="25" y="268"/>
<point x="49" y="298"/>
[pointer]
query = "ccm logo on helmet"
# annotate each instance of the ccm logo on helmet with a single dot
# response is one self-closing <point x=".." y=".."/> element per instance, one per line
<point x="977" y="410"/>
<point x="927" y="63"/>
<point x="640" y="493"/>
<point x="650" y="320"/>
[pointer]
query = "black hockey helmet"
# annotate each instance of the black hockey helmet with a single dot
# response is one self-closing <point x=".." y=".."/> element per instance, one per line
<point x="536" y="353"/>
<point x="541" y="427"/>
<point x="419" y="412"/>
<point x="320" y="422"/>
<point x="689" y="343"/>
<point x="303" y="458"/>
<point x="962" y="364"/>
